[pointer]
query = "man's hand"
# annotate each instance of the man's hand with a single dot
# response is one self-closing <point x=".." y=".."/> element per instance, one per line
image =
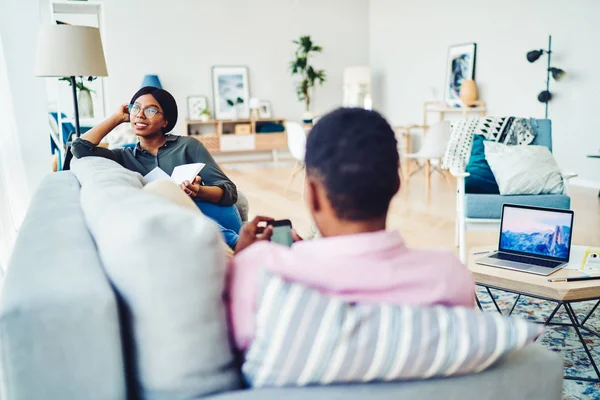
<point x="192" y="188"/>
<point x="252" y="233"/>
<point x="295" y="236"/>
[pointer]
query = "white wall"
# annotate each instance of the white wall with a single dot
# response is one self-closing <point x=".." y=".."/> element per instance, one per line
<point x="408" y="48"/>
<point x="181" y="40"/>
<point x="19" y="22"/>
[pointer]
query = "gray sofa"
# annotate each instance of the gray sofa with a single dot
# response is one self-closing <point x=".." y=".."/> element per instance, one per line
<point x="61" y="334"/>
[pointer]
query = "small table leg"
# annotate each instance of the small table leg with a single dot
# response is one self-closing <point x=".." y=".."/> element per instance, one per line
<point x="574" y="323"/>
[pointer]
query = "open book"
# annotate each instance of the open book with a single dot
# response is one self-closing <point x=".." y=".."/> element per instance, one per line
<point x="181" y="173"/>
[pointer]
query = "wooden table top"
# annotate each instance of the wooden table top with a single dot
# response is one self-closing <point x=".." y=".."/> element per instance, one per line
<point x="531" y="284"/>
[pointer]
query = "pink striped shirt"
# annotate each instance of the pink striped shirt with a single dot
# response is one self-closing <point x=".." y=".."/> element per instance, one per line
<point x="368" y="268"/>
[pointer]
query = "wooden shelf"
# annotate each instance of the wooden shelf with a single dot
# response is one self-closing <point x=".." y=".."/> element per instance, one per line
<point x="223" y="139"/>
<point x="442" y="109"/>
<point x="233" y="121"/>
<point x="200" y="122"/>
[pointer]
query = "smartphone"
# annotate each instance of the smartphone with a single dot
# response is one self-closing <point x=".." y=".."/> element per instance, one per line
<point x="282" y="232"/>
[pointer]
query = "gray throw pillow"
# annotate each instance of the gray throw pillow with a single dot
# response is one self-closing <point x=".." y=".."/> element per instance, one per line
<point x="167" y="266"/>
<point x="524" y="169"/>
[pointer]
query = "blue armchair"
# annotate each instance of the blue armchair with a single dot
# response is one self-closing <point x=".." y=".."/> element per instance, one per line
<point x="483" y="211"/>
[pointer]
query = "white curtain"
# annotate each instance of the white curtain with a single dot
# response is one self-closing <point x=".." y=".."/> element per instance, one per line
<point x="14" y="195"/>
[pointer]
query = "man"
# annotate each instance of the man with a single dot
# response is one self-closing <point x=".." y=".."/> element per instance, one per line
<point x="352" y="166"/>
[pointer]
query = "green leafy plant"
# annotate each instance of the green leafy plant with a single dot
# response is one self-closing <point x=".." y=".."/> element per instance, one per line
<point x="205" y="111"/>
<point x="301" y="66"/>
<point x="80" y="82"/>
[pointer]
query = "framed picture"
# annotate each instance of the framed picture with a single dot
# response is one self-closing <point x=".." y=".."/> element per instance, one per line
<point x="264" y="109"/>
<point x="195" y="106"/>
<point x="461" y="66"/>
<point x="231" y="92"/>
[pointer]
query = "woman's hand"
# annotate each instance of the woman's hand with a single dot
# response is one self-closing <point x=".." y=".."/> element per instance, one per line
<point x="122" y="113"/>
<point x="98" y="132"/>
<point x="252" y="233"/>
<point x="192" y="188"/>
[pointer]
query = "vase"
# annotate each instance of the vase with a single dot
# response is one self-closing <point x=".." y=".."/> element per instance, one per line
<point x="468" y="92"/>
<point x="307" y="117"/>
<point x="86" y="106"/>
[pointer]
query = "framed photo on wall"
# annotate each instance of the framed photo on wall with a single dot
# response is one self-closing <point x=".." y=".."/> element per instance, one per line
<point x="461" y="66"/>
<point x="231" y="92"/>
<point x="195" y="106"/>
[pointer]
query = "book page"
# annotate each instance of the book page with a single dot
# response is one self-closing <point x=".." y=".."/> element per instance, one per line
<point x="186" y="172"/>
<point x="156" y="174"/>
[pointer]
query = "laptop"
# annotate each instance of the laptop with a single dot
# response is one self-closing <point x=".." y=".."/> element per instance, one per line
<point x="532" y="239"/>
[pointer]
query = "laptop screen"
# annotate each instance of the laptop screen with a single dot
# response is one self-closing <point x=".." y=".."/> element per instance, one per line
<point x="536" y="231"/>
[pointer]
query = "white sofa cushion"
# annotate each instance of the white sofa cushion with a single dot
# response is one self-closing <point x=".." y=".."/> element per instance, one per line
<point x="524" y="169"/>
<point x="167" y="266"/>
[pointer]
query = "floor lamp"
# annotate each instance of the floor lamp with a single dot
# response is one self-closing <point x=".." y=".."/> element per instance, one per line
<point x="556" y="73"/>
<point x="72" y="51"/>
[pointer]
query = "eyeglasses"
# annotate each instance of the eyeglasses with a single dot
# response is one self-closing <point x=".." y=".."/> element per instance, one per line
<point x="150" y="113"/>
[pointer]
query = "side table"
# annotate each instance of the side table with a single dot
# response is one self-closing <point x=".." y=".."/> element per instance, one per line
<point x="563" y="294"/>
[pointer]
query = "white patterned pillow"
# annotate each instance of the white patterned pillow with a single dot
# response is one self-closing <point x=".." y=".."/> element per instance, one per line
<point x="507" y="130"/>
<point x="304" y="337"/>
<point x="524" y="169"/>
<point x="458" y="150"/>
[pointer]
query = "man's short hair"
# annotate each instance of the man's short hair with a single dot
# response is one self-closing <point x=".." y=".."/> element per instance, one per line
<point x="354" y="152"/>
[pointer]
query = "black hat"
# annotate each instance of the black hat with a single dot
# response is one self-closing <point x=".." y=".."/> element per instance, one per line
<point x="165" y="100"/>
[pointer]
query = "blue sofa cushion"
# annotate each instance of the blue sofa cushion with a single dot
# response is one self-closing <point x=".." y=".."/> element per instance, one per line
<point x="489" y="206"/>
<point x="482" y="178"/>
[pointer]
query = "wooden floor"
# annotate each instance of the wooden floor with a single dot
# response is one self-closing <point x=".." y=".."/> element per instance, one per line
<point x="422" y="223"/>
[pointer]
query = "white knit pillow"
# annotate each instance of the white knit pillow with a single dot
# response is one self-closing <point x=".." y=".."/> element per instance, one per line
<point x="524" y="169"/>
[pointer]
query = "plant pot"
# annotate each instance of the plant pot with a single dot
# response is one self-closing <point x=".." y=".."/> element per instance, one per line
<point x="86" y="105"/>
<point x="204" y="117"/>
<point x="307" y="117"/>
<point x="468" y="92"/>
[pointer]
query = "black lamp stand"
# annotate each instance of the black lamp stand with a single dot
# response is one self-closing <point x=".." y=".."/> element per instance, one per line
<point x="547" y="75"/>
<point x="69" y="154"/>
<point x="74" y="87"/>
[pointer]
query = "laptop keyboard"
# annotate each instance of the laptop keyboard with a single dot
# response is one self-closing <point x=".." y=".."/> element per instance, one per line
<point x="526" y="260"/>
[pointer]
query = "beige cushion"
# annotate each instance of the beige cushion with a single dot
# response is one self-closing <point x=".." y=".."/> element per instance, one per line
<point x="172" y="192"/>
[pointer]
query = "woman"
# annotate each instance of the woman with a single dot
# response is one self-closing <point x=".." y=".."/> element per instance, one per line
<point x="152" y="113"/>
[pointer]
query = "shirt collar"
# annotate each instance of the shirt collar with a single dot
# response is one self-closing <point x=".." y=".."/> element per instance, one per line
<point x="357" y="244"/>
<point x="170" y="138"/>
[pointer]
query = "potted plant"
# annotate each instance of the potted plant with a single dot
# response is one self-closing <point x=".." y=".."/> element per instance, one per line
<point x="84" y="97"/>
<point x="235" y="104"/>
<point x="309" y="76"/>
<point x="204" y="115"/>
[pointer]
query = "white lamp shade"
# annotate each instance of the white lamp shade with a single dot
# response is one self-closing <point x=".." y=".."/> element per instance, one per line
<point x="69" y="50"/>
<point x="254" y="103"/>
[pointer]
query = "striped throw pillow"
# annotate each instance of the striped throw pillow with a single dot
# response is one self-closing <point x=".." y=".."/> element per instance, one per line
<point x="304" y="338"/>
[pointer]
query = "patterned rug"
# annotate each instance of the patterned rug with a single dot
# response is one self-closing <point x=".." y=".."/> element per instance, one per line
<point x="562" y="340"/>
